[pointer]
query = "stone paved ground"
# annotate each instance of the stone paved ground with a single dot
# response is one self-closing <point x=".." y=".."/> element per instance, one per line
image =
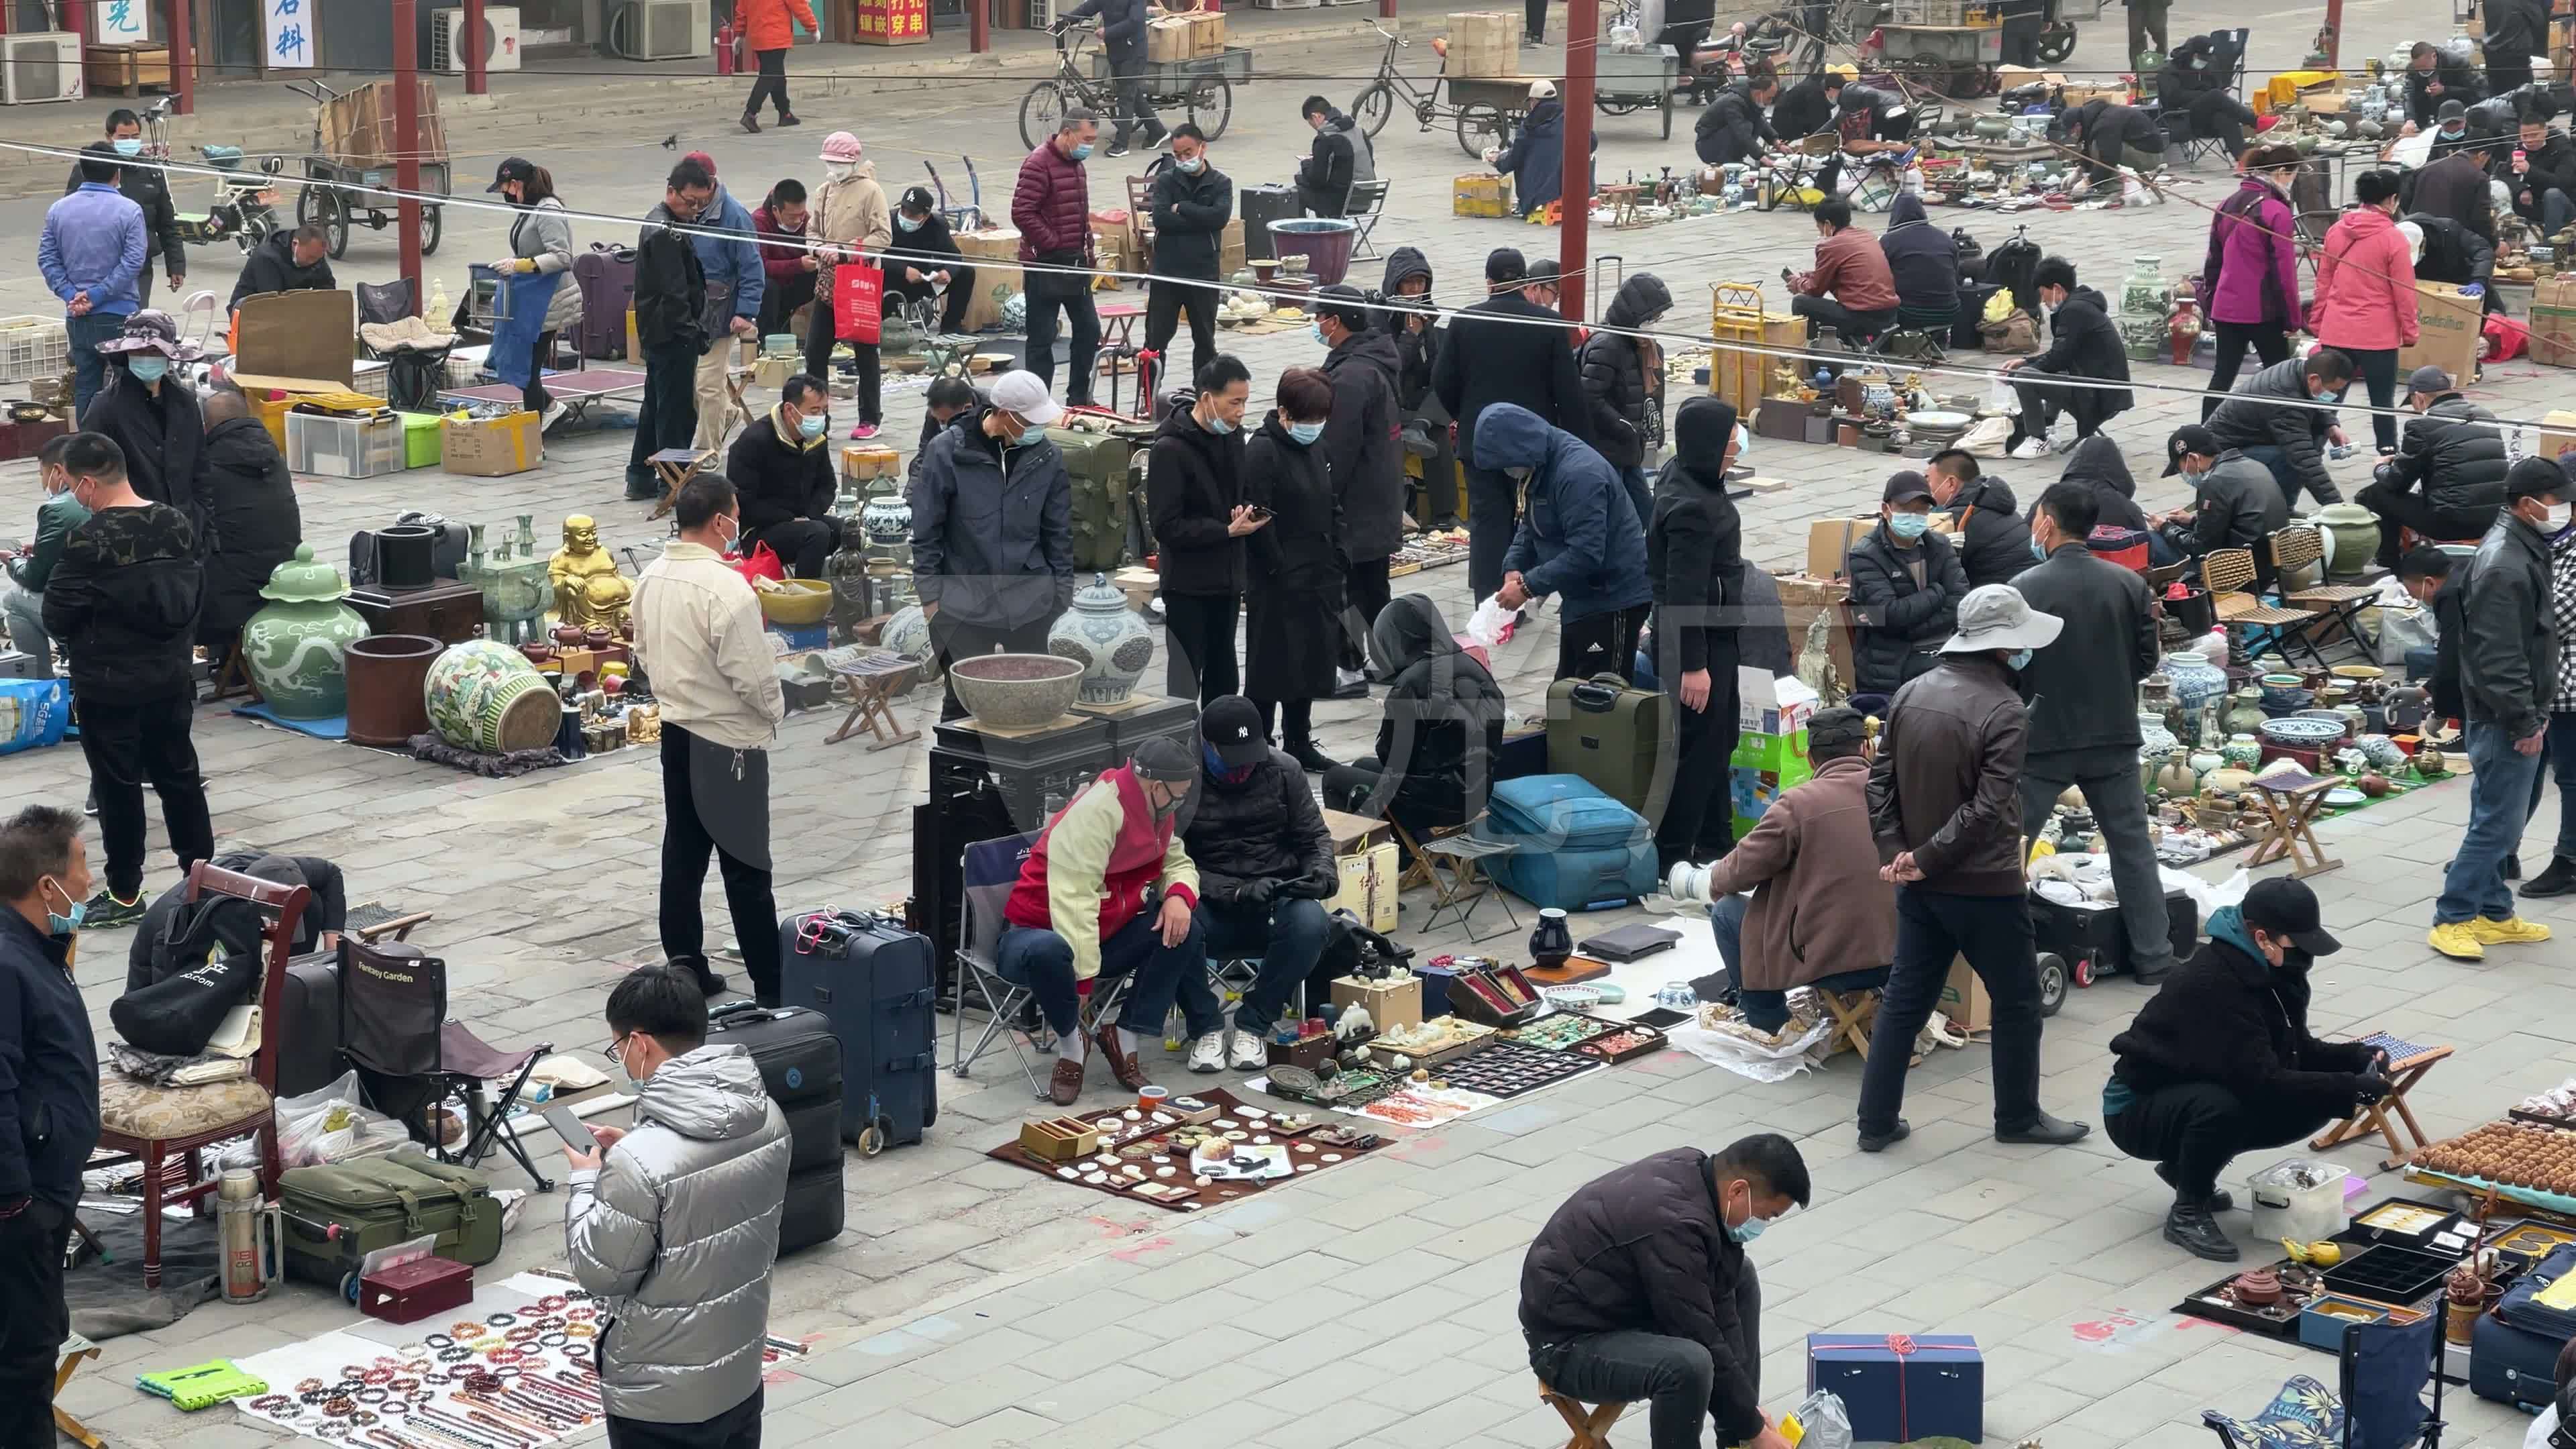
<point x="970" y="1303"/>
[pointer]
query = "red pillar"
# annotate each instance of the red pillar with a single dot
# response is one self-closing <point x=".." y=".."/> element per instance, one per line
<point x="183" y="63"/>
<point x="477" y="65"/>
<point x="1582" y="31"/>
<point x="979" y="26"/>
<point x="2334" y="34"/>
<point x="407" y="142"/>
<point x="75" y="15"/>
<point x="1386" y="9"/>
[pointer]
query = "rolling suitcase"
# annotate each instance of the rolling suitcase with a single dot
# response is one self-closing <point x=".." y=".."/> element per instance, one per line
<point x="606" y="276"/>
<point x="1598" y="878"/>
<point x="1582" y="849"/>
<point x="800" y="1065"/>
<point x="308" y="1031"/>
<point x="874" y="984"/>
<point x="336" y="1213"/>
<point x="2512" y="1365"/>
<point x="813" y="1209"/>
<point x="1612" y="735"/>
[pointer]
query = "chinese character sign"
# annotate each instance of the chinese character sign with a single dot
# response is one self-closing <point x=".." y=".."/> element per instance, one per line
<point x="287" y="31"/>
<point x="123" y="22"/>
<point x="893" y="22"/>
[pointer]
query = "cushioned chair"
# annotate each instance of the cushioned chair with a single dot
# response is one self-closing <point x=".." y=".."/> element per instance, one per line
<point x="2382" y="1369"/>
<point x="151" y="1125"/>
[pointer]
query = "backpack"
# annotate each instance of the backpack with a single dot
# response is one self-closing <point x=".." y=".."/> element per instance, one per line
<point x="2012" y="265"/>
<point x="1972" y="255"/>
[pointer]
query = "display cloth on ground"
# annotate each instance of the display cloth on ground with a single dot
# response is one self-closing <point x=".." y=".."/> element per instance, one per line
<point x="1136" y="1156"/>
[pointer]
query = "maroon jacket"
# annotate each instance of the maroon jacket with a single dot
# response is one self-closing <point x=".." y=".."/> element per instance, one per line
<point x="784" y="261"/>
<point x="1051" y="206"/>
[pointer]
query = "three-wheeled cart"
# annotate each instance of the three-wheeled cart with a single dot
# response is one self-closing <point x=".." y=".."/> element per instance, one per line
<point x="1627" y="81"/>
<point x="349" y="177"/>
<point x="2057" y="36"/>
<point x="1490" y="109"/>
<point x="1958" y="61"/>
<point x="1202" y="85"/>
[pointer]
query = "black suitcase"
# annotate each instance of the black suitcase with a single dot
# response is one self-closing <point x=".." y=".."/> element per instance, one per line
<point x="1964" y="336"/>
<point x="606" y="276"/>
<point x="813" y="1209"/>
<point x="875" y="984"/>
<point x="800" y="1065"/>
<point x="2512" y="1365"/>
<point x="1260" y="206"/>
<point x="308" y="1029"/>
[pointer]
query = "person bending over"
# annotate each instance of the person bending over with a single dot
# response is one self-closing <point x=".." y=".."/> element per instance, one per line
<point x="1265" y="867"/>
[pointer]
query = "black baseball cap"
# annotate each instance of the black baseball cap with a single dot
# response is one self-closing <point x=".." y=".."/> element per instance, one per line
<point x="1904" y="486"/>
<point x="517" y="168"/>
<point x="1836" y="726"/>
<point x="2190" y="438"/>
<point x="1165" y="759"/>
<point x="1231" y="725"/>
<point x="2285" y="909"/>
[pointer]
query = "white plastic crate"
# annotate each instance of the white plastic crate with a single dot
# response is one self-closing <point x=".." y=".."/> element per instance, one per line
<point x="33" y="347"/>
<point x="334" y="446"/>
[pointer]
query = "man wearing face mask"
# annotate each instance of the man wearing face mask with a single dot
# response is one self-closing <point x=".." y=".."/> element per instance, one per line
<point x="1051" y="206"/>
<point x="1194" y="500"/>
<point x="2084" y="707"/>
<point x="923" y="259"/>
<point x="2508" y="674"/>
<point x="1579" y="539"/>
<point x="1945" y="804"/>
<point x="1265" y="864"/>
<point x="670" y="324"/>
<point x="698" y="633"/>
<point x="28" y="569"/>
<point x="1906" y="584"/>
<point x="1109" y="890"/>
<point x="48" y="1107"/>
<point x="2440" y="83"/>
<point x="993" y="576"/>
<point x="1191" y="202"/>
<point x="2236" y="502"/>
<point x="1365" y="459"/>
<point x="2283" y="417"/>
<point x="1639" y="1288"/>
<point x="149" y="189"/>
<point x="781" y="466"/>
<point x="2221" y="1061"/>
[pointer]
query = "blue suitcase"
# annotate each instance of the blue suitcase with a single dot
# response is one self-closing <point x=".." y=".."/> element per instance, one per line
<point x="1561" y="812"/>
<point x="874" y="983"/>
<point x="1598" y="879"/>
<point x="2512" y="1365"/>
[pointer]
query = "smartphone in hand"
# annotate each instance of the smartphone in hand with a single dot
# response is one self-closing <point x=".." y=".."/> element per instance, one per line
<point x="569" y="1126"/>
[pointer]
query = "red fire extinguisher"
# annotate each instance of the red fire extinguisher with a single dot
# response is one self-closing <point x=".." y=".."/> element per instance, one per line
<point x="724" y="48"/>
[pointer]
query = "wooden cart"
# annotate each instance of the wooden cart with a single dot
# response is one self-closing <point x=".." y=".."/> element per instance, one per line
<point x="1958" y="61"/>
<point x="1490" y="109"/>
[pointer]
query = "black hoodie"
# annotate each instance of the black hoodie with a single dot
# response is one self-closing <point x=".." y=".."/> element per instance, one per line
<point x="1616" y="389"/>
<point x="1444" y="719"/>
<point x="1993" y="541"/>
<point x="123" y="604"/>
<point x="250" y="498"/>
<point x="2096" y="463"/>
<point x="1414" y="347"/>
<point x="1193" y="480"/>
<point x="1695" y="548"/>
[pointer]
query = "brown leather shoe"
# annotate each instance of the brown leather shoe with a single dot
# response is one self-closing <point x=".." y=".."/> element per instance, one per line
<point x="1066" y="1084"/>
<point x="1121" y="1065"/>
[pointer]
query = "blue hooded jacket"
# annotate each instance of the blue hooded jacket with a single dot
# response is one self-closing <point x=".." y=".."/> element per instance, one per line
<point x="732" y="263"/>
<point x="1579" y="536"/>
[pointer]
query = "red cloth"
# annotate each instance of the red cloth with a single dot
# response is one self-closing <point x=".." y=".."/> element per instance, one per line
<point x="1135" y="862"/>
<point x="766" y="24"/>
<point x="784" y="261"/>
<point x="1051" y="205"/>
<point x="2505" y="338"/>
<point x="2365" y="284"/>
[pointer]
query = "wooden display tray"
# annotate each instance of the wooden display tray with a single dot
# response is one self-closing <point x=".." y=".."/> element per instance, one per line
<point x="1190" y="1197"/>
<point x="1655" y="1042"/>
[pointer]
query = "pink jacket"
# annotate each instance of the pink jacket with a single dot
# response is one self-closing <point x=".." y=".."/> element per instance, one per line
<point x="2252" y="272"/>
<point x="2365" y="284"/>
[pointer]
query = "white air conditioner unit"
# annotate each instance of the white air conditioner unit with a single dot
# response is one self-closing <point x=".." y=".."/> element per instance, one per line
<point x="43" y="66"/>
<point x="500" y="39"/>
<point x="667" y="30"/>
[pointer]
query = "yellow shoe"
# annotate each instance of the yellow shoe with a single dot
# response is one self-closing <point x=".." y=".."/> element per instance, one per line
<point x="2457" y="940"/>
<point x="2511" y="931"/>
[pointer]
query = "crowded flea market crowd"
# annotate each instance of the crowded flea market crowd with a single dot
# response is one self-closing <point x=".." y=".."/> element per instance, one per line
<point x="1983" y="727"/>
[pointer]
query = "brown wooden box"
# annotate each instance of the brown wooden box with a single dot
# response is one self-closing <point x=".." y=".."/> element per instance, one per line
<point x="126" y="69"/>
<point x="1059" y="1139"/>
<point x="447" y="611"/>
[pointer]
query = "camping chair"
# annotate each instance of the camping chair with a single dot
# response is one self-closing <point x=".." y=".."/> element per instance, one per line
<point x="1367" y="203"/>
<point x="991" y="869"/>
<point x="151" y="1125"/>
<point x="414" y="1059"/>
<point x="1455" y="863"/>
<point x="2335" y="607"/>
<point x="2381" y="1369"/>
<point x="2228" y="574"/>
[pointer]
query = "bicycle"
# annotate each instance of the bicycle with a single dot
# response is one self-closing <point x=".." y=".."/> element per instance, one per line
<point x="1377" y="101"/>
<point x="1199" y="85"/>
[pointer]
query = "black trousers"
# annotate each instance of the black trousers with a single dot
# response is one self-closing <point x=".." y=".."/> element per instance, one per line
<point x="667" y="415"/>
<point x="1535" y="19"/>
<point x="1826" y="312"/>
<point x="1603" y="643"/>
<point x="715" y="800"/>
<point x="1291" y="722"/>
<point x="1048" y="292"/>
<point x="1934" y="928"/>
<point x="957" y="639"/>
<point x="802" y="544"/>
<point x="36" y="1323"/>
<point x="128" y="746"/>
<point x="1165" y="301"/>
<point x="952" y="304"/>
<point x="2404" y="508"/>
<point x="1135" y="107"/>
<point x="771" y="84"/>
<point x="2270" y="343"/>
<point x="819" y="322"/>
<point x="534" y="396"/>
<point x="1364" y="593"/>
<point x="2196" y="1128"/>
<point x="1699" y="816"/>
<point x="1198" y="638"/>
<point x="1672" y="1373"/>
<point x="1493" y="502"/>
<point x="2378" y="369"/>
<point x="2042" y="401"/>
<point x="778" y="303"/>
<point x="2221" y="117"/>
<point x="735" y="1428"/>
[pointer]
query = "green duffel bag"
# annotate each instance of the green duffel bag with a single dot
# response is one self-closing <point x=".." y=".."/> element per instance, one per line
<point x="337" y="1213"/>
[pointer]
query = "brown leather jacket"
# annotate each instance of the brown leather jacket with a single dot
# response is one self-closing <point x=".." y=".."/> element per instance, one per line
<point x="1947" y="784"/>
<point x="1819" y="908"/>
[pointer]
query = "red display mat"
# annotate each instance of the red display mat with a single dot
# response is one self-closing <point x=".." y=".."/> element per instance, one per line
<point x="1303" y="1153"/>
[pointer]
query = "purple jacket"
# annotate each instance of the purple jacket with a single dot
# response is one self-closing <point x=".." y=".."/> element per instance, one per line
<point x="2252" y="271"/>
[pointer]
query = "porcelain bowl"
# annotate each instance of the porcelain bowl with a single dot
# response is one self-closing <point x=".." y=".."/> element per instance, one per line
<point x="1017" y="691"/>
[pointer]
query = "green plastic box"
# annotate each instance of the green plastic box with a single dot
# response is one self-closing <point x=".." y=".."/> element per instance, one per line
<point x="420" y="440"/>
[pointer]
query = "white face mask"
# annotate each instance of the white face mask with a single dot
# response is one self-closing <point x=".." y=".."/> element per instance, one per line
<point x="2557" y="517"/>
<point x="839" y="170"/>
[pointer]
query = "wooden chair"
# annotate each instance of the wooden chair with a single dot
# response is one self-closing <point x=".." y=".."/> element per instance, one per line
<point x="2290" y="802"/>
<point x="76" y="1351"/>
<point x="2229" y="575"/>
<point x="1591" y="1425"/>
<point x="1140" y="214"/>
<point x="2333" y="607"/>
<point x="151" y="1125"/>
<point x="2407" y="1064"/>
<point x="1854" y="1012"/>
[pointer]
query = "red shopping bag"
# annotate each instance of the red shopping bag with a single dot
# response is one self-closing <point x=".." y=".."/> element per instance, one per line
<point x="762" y="564"/>
<point x="2504" y="338"/>
<point x="858" y="301"/>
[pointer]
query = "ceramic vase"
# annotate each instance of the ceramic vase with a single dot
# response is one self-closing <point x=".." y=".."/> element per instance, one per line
<point x="2244" y="712"/>
<point x="297" y="646"/>
<point x="2241" y="751"/>
<point x="1107" y="638"/>
<point x="908" y="634"/>
<point x="888" y="521"/>
<point x="2206" y="762"/>
<point x="1552" y="942"/>
<point x="2177" y="779"/>
<point x="2351" y="536"/>
<point x="2196" y="681"/>
<point x="2153" y="738"/>
<point x="480" y="695"/>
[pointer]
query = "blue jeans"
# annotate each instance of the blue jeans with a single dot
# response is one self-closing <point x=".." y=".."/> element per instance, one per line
<point x="1041" y="960"/>
<point x="2287" y="476"/>
<point x="1288" y="939"/>
<point x="2558" y="752"/>
<point x="89" y="369"/>
<point x="2499" y="805"/>
<point x="1768" y="1010"/>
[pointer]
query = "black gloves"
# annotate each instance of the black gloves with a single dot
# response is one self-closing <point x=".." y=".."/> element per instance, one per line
<point x="2371" y="1086"/>
<point x="1255" y="892"/>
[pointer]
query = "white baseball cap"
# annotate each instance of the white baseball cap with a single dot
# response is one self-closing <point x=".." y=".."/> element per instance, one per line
<point x="1996" y="616"/>
<point x="1024" y="395"/>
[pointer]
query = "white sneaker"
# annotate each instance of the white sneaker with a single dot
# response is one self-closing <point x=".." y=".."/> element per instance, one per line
<point x="1207" y="1054"/>
<point x="2064" y="444"/>
<point x="554" y="414"/>
<point x="1250" y="1053"/>
<point x="2031" y="447"/>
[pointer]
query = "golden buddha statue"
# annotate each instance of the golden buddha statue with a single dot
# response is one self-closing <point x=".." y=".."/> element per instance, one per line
<point x="589" y="591"/>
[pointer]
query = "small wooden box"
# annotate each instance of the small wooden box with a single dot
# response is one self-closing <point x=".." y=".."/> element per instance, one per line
<point x="126" y="69"/>
<point x="1307" y="1052"/>
<point x="1388" y="1003"/>
<point x="1207" y="32"/>
<point x="1059" y="1139"/>
<point x="409" y="1292"/>
<point x="861" y="462"/>
<point x="447" y="611"/>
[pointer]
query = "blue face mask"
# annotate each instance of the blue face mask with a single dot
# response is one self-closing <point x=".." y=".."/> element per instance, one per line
<point x="813" y="425"/>
<point x="1320" y="339"/>
<point x="1082" y="152"/>
<point x="2037" y="551"/>
<point x="1305" y="432"/>
<point x="1192" y="166"/>
<point x="1219" y="426"/>
<point x="64" y="925"/>
<point x="2017" y="660"/>
<point x="128" y="145"/>
<point x="908" y="223"/>
<point x="1033" y="434"/>
<point x="1749" y="1229"/>
<point x="149" y="369"/>
<point x="2335" y="396"/>
<point x="1908" y="525"/>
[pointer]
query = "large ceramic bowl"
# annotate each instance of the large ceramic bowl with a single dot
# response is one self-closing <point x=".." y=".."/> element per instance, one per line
<point x="2302" y="731"/>
<point x="1016" y="691"/>
<point x="796" y="602"/>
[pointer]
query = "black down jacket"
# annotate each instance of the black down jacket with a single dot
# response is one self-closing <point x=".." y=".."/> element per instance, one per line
<point x="163" y="434"/>
<point x="2232" y="1019"/>
<point x="1901" y="622"/>
<point x="1291" y="639"/>
<point x="1733" y="127"/>
<point x="1359" y="444"/>
<point x="2265" y="411"/>
<point x="1618" y="397"/>
<point x="123" y="604"/>
<point x="250" y="498"/>
<point x="1193" y="480"/>
<point x="2457" y="452"/>
<point x="1266" y="829"/>
<point x="1992" y="540"/>
<point x="2509" y="657"/>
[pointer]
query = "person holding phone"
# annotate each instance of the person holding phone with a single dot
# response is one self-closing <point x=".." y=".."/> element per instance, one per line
<point x="1292" y="638"/>
<point x="1194" y="498"/>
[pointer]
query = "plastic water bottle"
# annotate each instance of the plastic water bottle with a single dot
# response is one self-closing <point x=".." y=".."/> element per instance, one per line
<point x="439" y="307"/>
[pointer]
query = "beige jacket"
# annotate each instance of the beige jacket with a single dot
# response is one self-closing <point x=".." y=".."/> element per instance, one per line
<point x="699" y="636"/>
<point x="850" y="212"/>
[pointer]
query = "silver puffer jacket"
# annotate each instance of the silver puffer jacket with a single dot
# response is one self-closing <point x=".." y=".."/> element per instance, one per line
<point x="676" y="1232"/>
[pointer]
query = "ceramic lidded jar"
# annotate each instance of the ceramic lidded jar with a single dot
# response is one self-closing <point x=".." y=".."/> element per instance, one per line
<point x="2196" y="681"/>
<point x="297" y="645"/>
<point x="1106" y="638"/>
<point x="2351" y="536"/>
<point x="2241" y="751"/>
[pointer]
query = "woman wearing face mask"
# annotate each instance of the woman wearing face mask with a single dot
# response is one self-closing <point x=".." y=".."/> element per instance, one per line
<point x="2365" y="300"/>
<point x="781" y="469"/>
<point x="1290" y="637"/>
<point x="1623" y="385"/>
<point x="150" y="413"/>
<point x="850" y="228"/>
<point x="541" y="303"/>
<point x="28" y="569"/>
<point x="1194" y="499"/>
<point x="924" y="259"/>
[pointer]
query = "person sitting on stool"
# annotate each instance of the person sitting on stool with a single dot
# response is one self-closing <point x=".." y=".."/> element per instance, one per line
<point x="781" y="467"/>
<point x="2220" y="1060"/>
<point x="1850" y="289"/>
<point x="1639" y="1288"/>
<point x="1266" y="868"/>
<point x="2456" y="453"/>
<point x="1818" y="910"/>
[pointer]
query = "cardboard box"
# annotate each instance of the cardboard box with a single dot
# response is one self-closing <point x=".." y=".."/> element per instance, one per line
<point x="994" y="252"/>
<point x="772" y="372"/>
<point x="1207" y="32"/>
<point x="1802" y="598"/>
<point x="1389" y="1003"/>
<point x="862" y="462"/>
<point x="2553" y="321"/>
<point x="297" y="342"/>
<point x="1763" y="767"/>
<point x="1481" y="194"/>
<point x="358" y="128"/>
<point x="1229" y="248"/>
<point x="1169" y="37"/>
<point x="1829" y="544"/>
<point x="1937" y="1390"/>
<point x="1766" y="704"/>
<point x="1964" y="999"/>
<point x="126" y="68"/>
<point x="1368" y="890"/>
<point x="331" y="445"/>
<point x="2449" y="330"/>
<point x="2557" y="433"/>
<point x="1484" y="43"/>
<point x="491" y="447"/>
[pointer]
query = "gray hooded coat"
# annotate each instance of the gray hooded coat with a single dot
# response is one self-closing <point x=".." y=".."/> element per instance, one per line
<point x="677" y="1231"/>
